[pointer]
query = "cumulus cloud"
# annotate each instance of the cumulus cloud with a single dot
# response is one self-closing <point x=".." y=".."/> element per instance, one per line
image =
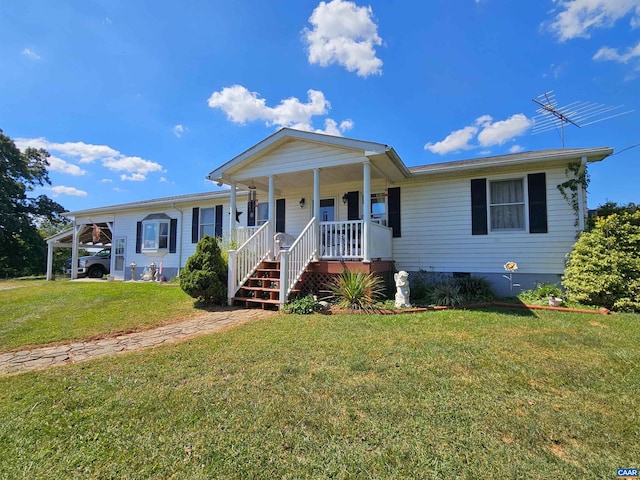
<point x="179" y="130"/>
<point x="454" y="142"/>
<point x="58" y="165"/>
<point x="516" y="149"/>
<point x="85" y="153"/>
<point x="578" y="17"/>
<point x="497" y="133"/>
<point x="345" y="34"/>
<point x="612" y="54"/>
<point x="485" y="131"/>
<point x="27" y="52"/>
<point x="242" y="106"/>
<point x="62" y="190"/>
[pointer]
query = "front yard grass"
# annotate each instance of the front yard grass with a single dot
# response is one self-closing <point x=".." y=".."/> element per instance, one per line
<point x="451" y="394"/>
<point x="35" y="312"/>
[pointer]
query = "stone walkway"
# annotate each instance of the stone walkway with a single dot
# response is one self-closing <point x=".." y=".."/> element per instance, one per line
<point x="46" y="357"/>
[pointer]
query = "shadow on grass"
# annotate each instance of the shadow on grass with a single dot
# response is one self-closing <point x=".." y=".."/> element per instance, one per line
<point x="508" y="306"/>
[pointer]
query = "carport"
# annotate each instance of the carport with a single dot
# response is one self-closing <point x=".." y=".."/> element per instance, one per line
<point x="88" y="234"/>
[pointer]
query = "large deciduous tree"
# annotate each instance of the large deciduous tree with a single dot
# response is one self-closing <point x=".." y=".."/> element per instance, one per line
<point x="22" y="248"/>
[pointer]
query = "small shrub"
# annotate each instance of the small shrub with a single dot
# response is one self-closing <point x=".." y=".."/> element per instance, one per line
<point x="474" y="289"/>
<point x="356" y="291"/>
<point x="540" y="295"/>
<point x="446" y="294"/>
<point x="302" y="305"/>
<point x="204" y="277"/>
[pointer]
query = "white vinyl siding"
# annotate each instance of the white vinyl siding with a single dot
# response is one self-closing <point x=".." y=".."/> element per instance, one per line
<point x="436" y="231"/>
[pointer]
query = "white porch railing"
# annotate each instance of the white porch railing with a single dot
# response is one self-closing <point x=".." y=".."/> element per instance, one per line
<point x="341" y="239"/>
<point x="246" y="259"/>
<point x="381" y="241"/>
<point x="242" y="234"/>
<point x="295" y="259"/>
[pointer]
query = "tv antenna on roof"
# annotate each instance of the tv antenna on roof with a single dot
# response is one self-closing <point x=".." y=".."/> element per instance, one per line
<point x="551" y="116"/>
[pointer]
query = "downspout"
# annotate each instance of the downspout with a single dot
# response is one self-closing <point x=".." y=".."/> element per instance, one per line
<point x="173" y="205"/>
<point x="581" y="194"/>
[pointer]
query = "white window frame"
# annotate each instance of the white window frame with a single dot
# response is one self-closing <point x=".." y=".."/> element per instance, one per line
<point x="524" y="203"/>
<point x="211" y="225"/>
<point x="153" y="244"/>
<point x="262" y="213"/>
<point x="380" y="218"/>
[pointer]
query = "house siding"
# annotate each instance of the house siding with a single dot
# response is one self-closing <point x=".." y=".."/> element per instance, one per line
<point x="437" y="236"/>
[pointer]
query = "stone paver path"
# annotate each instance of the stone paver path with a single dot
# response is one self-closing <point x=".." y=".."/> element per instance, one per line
<point x="46" y="357"/>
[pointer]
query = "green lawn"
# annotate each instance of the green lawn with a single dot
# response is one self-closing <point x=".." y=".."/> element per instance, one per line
<point x="451" y="394"/>
<point x="39" y="312"/>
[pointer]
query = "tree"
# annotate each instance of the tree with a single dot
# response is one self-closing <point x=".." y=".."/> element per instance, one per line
<point x="204" y="277"/>
<point x="22" y="249"/>
<point x="609" y="208"/>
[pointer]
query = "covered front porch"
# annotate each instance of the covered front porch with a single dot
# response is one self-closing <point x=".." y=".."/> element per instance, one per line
<point x="341" y="186"/>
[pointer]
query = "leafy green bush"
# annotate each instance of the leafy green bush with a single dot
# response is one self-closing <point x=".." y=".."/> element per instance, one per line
<point x="302" y="305"/>
<point x="474" y="289"/>
<point x="540" y="295"/>
<point x="447" y="294"/>
<point x="204" y="277"/>
<point x="604" y="267"/>
<point x="356" y="290"/>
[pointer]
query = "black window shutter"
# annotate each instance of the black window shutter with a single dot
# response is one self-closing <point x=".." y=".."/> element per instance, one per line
<point x="251" y="214"/>
<point x="280" y="215"/>
<point x="393" y="202"/>
<point x="353" y="206"/>
<point x="479" y="206"/>
<point x="537" y="187"/>
<point x="218" y="226"/>
<point x="139" y="237"/>
<point x="195" y="225"/>
<point x="173" y="234"/>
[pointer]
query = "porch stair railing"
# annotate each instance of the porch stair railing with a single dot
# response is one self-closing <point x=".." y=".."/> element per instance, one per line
<point x="295" y="259"/>
<point x="244" y="261"/>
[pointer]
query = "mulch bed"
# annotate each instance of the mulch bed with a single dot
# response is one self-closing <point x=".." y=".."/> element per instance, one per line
<point x="335" y="311"/>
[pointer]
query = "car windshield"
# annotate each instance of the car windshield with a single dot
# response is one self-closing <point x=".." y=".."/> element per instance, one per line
<point x="103" y="253"/>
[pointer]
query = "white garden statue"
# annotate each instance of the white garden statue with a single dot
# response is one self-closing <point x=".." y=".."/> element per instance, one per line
<point x="402" y="289"/>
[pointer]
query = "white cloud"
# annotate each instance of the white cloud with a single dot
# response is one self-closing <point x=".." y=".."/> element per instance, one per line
<point x="578" y="17"/>
<point x="58" y="165"/>
<point x="345" y="34"/>
<point x="487" y="131"/>
<point x="500" y="132"/>
<point x="243" y="106"/>
<point x="516" y="149"/>
<point x="454" y="142"/>
<point x="106" y="180"/>
<point x="179" y="130"/>
<point x="85" y="153"/>
<point x="134" y="177"/>
<point x="27" y="52"/>
<point x="612" y="54"/>
<point x="62" y="190"/>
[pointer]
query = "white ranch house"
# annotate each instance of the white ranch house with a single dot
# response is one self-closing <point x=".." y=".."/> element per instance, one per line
<point x="309" y="202"/>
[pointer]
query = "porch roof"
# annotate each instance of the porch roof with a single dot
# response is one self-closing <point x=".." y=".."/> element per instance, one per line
<point x="385" y="162"/>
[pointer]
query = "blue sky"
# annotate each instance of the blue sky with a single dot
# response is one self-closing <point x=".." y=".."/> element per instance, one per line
<point x="137" y="100"/>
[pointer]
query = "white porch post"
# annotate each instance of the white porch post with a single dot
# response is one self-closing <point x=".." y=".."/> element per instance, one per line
<point x="316" y="207"/>
<point x="271" y="215"/>
<point x="366" y="205"/>
<point x="74" y="251"/>
<point x="49" y="261"/>
<point x="232" y="211"/>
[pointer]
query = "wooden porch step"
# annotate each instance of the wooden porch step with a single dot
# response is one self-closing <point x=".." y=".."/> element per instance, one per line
<point x="264" y="303"/>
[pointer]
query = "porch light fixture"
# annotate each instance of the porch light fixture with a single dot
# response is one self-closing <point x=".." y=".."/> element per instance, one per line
<point x="302" y="202"/>
<point x="345" y="198"/>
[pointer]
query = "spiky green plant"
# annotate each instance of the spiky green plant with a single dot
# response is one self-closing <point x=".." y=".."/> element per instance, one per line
<point x="356" y="290"/>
